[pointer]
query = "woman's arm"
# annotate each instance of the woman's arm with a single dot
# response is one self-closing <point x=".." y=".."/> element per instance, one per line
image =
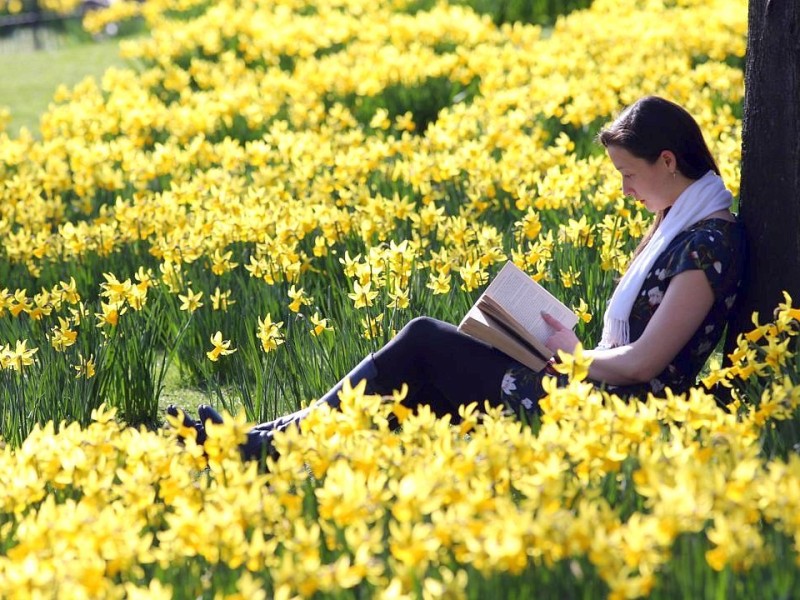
<point x="684" y="307"/>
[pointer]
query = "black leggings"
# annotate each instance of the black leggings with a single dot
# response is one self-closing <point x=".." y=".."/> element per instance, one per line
<point x="443" y="367"/>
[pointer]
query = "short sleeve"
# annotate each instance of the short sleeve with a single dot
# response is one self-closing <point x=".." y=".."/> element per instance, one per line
<point x="706" y="249"/>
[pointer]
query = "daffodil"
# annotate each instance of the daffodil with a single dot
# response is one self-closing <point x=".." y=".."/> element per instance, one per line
<point x="320" y="246"/>
<point x="472" y="276"/>
<point x="110" y="314"/>
<point x="320" y="324"/>
<point x="362" y="296"/>
<point x="570" y="277"/>
<point x="221" y="262"/>
<point x="405" y="122"/>
<point x="530" y="225"/>
<point x="114" y="290"/>
<point x="86" y="367"/>
<point x="221" y="300"/>
<point x="63" y="336"/>
<point x="438" y="283"/>
<point x="372" y="326"/>
<point x="575" y="364"/>
<point x="577" y="233"/>
<point x="399" y="299"/>
<point x="5" y="300"/>
<point x="20" y="303"/>
<point x="269" y="333"/>
<point x="17" y="358"/>
<point x="299" y="298"/>
<point x="582" y="310"/>
<point x="190" y="301"/>
<point x="380" y="119"/>
<point x="220" y="347"/>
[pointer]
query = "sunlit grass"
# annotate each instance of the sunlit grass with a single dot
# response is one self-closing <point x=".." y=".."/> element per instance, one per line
<point x="268" y="195"/>
<point x="30" y="77"/>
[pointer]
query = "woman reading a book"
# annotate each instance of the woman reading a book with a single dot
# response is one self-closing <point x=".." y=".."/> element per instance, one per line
<point x="663" y="320"/>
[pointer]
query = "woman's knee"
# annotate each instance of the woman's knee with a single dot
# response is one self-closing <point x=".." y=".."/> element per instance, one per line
<point x="425" y="329"/>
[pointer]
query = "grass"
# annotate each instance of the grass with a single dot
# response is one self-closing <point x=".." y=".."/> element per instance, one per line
<point x="30" y="77"/>
<point x="177" y="393"/>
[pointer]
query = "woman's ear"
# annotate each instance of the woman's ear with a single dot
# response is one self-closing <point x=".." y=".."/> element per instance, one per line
<point x="669" y="160"/>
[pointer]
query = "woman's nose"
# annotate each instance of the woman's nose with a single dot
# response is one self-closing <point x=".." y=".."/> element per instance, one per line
<point x="626" y="189"/>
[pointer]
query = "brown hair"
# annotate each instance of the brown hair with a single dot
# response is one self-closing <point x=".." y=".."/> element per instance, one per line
<point x="651" y="125"/>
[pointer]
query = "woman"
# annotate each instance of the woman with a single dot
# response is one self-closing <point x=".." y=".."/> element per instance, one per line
<point x="663" y="320"/>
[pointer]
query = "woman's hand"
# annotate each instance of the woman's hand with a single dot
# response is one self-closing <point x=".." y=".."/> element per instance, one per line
<point x="563" y="337"/>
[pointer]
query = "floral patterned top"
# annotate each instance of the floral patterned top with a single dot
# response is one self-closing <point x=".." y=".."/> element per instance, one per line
<point x="715" y="246"/>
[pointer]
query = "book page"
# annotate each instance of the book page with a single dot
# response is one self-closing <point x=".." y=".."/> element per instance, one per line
<point x="483" y="327"/>
<point x="524" y="300"/>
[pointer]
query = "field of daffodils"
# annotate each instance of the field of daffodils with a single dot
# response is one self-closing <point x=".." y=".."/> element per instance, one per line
<point x="270" y="190"/>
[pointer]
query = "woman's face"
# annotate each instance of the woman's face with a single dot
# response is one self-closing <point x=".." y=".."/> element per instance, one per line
<point x="653" y="184"/>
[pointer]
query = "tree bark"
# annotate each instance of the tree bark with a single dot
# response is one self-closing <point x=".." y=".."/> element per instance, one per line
<point x="770" y="186"/>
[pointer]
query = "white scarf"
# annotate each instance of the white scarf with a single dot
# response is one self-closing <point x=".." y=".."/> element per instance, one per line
<point x="702" y="198"/>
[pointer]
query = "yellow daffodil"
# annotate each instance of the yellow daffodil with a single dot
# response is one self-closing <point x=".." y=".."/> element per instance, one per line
<point x="190" y="301"/>
<point x="221" y="300"/>
<point x="570" y="277"/>
<point x="381" y="119"/>
<point x="269" y="333"/>
<point x="110" y="314"/>
<point x="582" y="310"/>
<point x="299" y="299"/>
<point x="320" y="324"/>
<point x="221" y="262"/>
<point x="362" y="296"/>
<point x="372" y="326"/>
<point x="85" y="368"/>
<point x="472" y="276"/>
<point x="399" y="299"/>
<point x="20" y="303"/>
<point x="439" y="283"/>
<point x="62" y="336"/>
<point x="17" y="358"/>
<point x="220" y="347"/>
<point x="575" y="364"/>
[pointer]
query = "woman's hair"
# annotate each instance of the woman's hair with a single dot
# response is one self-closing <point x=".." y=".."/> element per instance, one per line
<point x="651" y="125"/>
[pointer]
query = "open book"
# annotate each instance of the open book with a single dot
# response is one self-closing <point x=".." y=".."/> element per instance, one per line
<point x="508" y="317"/>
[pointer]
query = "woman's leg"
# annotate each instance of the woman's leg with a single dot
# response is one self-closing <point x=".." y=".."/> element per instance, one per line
<point x="443" y="367"/>
<point x="365" y="370"/>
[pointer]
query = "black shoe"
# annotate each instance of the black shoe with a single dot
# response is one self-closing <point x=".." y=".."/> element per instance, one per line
<point x="257" y="447"/>
<point x="207" y="413"/>
<point x="187" y="421"/>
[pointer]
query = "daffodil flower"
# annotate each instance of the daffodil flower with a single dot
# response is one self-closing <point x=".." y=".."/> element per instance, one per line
<point x="220" y="347"/>
<point x="190" y="301"/>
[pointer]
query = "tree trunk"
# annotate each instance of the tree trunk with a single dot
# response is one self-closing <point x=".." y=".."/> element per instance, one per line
<point x="770" y="186"/>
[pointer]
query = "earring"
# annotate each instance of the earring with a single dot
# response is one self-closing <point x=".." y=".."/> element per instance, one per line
<point x="674" y="174"/>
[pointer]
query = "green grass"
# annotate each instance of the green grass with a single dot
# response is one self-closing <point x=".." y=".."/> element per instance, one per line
<point x="30" y="77"/>
<point x="188" y="398"/>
